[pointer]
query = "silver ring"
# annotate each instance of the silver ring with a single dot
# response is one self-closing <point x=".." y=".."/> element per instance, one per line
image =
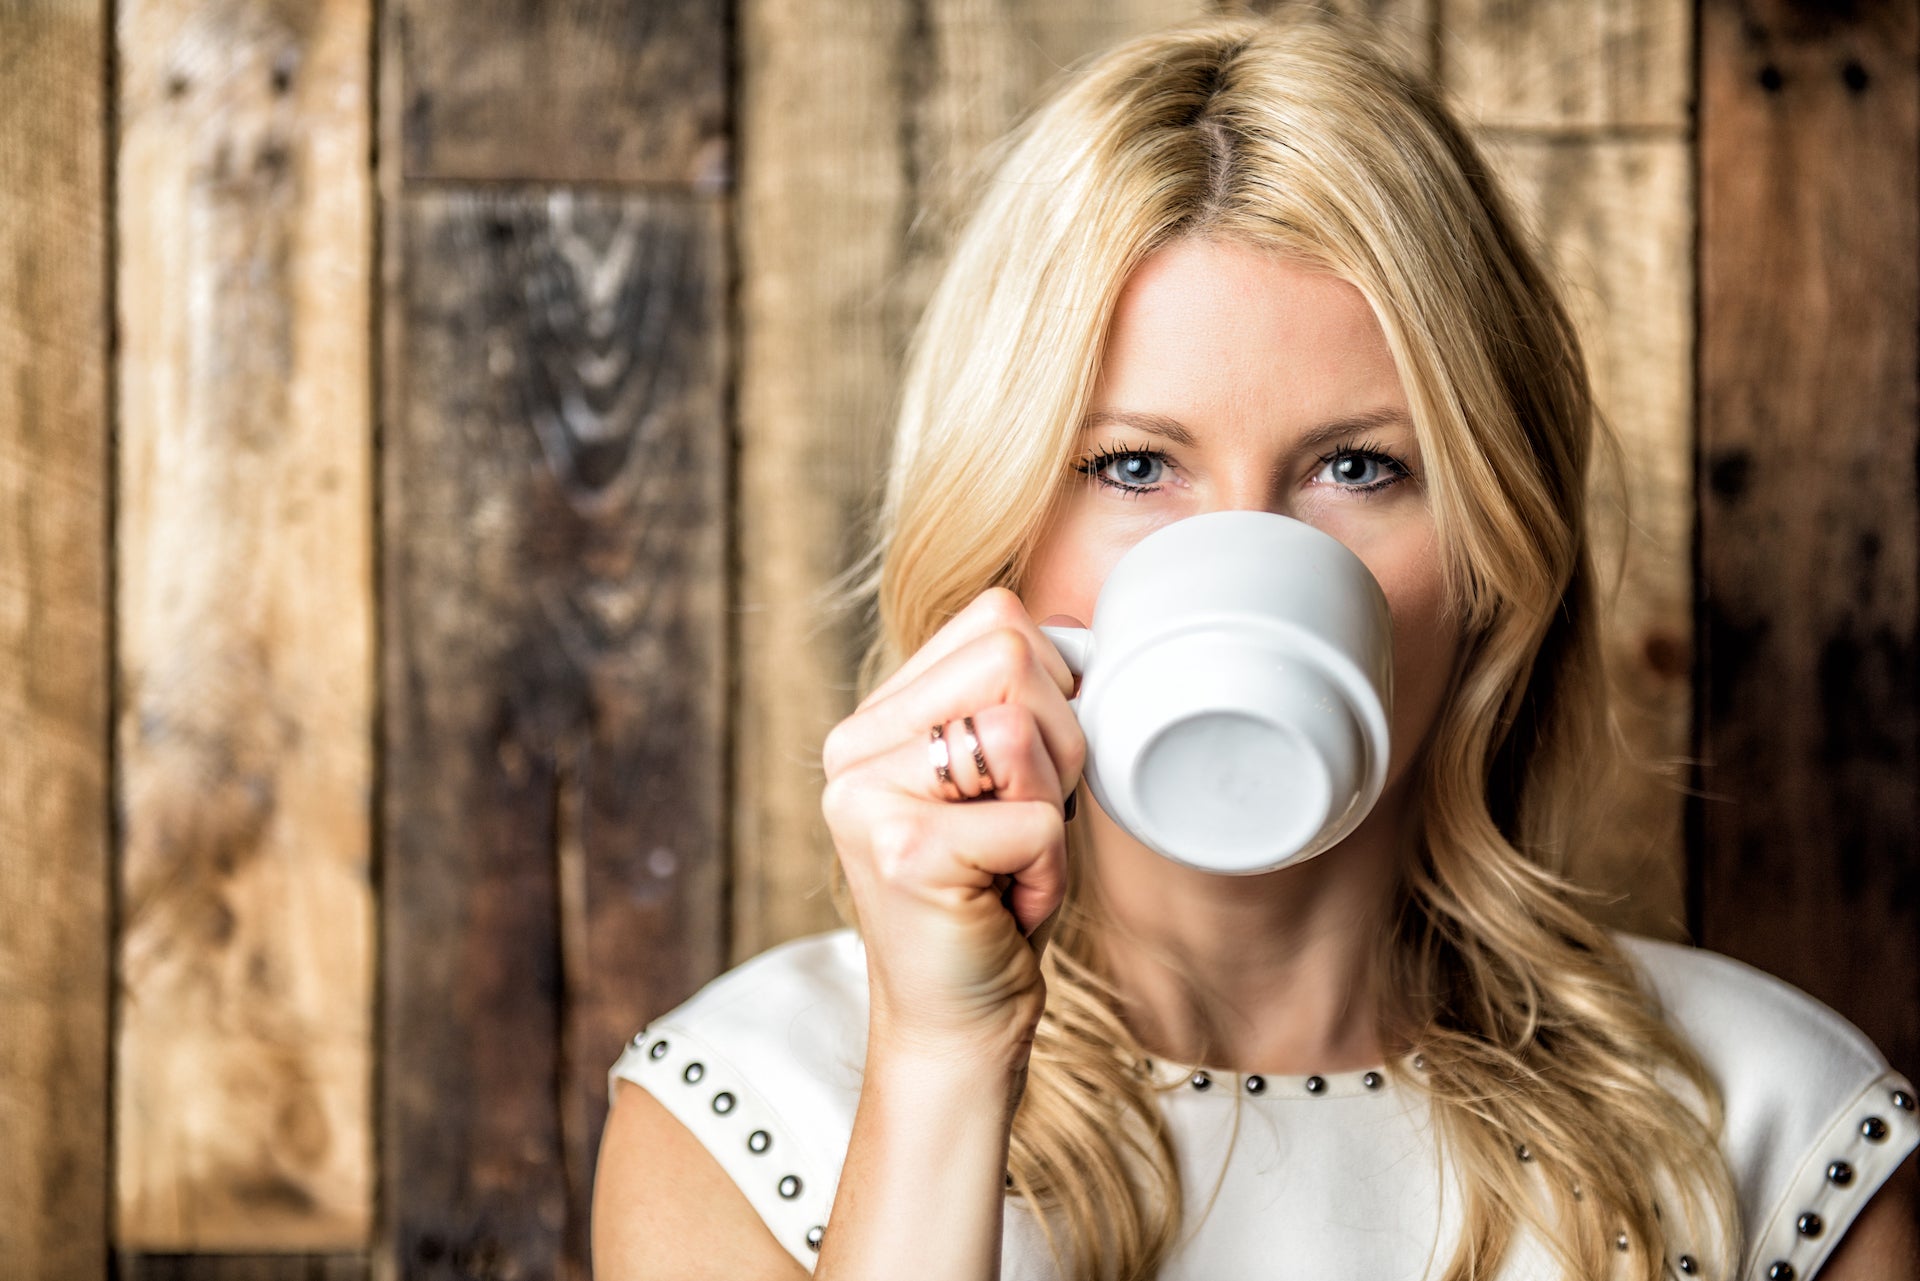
<point x="972" y="743"/>
<point x="941" y="757"/>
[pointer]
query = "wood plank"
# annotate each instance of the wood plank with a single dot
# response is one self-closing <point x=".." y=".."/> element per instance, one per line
<point x="1810" y="523"/>
<point x="855" y="145"/>
<point x="570" y="91"/>
<point x="555" y="678"/>
<point x="1625" y="65"/>
<point x="54" y="769"/>
<point x="1615" y="217"/>
<point x="245" y="623"/>
<point x="240" y="1267"/>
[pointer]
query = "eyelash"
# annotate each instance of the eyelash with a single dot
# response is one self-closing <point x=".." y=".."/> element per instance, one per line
<point x="1095" y="464"/>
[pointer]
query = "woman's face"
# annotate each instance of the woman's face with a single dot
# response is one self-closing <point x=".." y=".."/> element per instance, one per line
<point x="1237" y="379"/>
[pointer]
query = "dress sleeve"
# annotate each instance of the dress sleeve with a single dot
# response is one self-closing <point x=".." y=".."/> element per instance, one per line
<point x="763" y="1066"/>
<point x="746" y="1134"/>
<point x="1815" y="1119"/>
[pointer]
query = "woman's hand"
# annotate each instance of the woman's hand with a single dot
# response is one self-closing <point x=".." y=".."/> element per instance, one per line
<point x="951" y="879"/>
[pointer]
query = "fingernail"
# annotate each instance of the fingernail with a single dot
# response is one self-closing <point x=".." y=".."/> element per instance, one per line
<point x="1073" y="805"/>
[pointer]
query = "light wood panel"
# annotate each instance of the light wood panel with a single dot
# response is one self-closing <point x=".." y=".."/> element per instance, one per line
<point x="1616" y="218"/>
<point x="1583" y="110"/>
<point x="1810" y="520"/>
<point x="555" y="529"/>
<point x="54" y="829"/>
<point x="1570" y="65"/>
<point x="855" y="148"/>
<point x="245" y="631"/>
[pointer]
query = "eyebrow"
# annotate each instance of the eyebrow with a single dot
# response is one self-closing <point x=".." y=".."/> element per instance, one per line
<point x="1174" y="430"/>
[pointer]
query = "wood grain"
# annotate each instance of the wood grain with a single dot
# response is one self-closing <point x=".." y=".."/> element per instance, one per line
<point x="245" y="625"/>
<point x="567" y="91"/>
<point x="1615" y="217"/>
<point x="54" y="645"/>
<point x="855" y="149"/>
<point x="1810" y="520"/>
<point x="240" y="1267"/>
<point x="1557" y="65"/>
<point x="555" y="673"/>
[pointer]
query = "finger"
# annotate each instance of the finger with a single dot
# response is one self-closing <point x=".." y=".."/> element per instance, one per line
<point x="992" y="609"/>
<point x="1019" y="767"/>
<point x="968" y="849"/>
<point x="992" y="670"/>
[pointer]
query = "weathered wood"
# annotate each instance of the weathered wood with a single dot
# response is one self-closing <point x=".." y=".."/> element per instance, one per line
<point x="855" y="145"/>
<point x="54" y="772"/>
<point x="245" y="623"/>
<point x="1409" y="28"/>
<point x="573" y="91"/>
<point x="240" y="1267"/>
<point x="1570" y="64"/>
<point x="555" y="522"/>
<point x="1616" y="219"/>
<point x="1810" y="300"/>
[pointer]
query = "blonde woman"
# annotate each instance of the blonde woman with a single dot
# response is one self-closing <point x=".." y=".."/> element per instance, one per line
<point x="1241" y="265"/>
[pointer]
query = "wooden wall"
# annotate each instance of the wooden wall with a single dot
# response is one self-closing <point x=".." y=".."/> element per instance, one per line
<point x="427" y="433"/>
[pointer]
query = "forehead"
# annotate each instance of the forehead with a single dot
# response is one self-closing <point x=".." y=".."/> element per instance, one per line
<point x="1219" y="327"/>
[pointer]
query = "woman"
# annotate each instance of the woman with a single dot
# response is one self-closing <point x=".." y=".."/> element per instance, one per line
<point x="1243" y="264"/>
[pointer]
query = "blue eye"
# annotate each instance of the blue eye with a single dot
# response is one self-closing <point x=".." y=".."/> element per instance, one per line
<point x="1132" y="471"/>
<point x="1363" y="470"/>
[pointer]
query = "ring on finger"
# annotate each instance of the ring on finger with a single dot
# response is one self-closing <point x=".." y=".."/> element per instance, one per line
<point x="941" y="757"/>
<point x="971" y="742"/>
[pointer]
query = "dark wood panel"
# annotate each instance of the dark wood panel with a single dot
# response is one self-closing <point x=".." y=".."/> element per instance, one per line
<point x="1810" y="218"/>
<point x="240" y="1267"/>
<point x="54" y="647"/>
<point x="568" y="91"/>
<point x="555" y="521"/>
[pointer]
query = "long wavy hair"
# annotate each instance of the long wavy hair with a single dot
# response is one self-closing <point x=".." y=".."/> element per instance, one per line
<point x="1293" y="134"/>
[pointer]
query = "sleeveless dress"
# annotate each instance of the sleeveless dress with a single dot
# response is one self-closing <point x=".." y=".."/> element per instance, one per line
<point x="1321" y="1177"/>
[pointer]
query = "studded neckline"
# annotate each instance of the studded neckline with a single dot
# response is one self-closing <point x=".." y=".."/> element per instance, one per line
<point x="1193" y="1079"/>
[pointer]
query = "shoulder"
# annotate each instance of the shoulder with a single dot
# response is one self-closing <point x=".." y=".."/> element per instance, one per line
<point x="763" y="1067"/>
<point x="1815" y="1120"/>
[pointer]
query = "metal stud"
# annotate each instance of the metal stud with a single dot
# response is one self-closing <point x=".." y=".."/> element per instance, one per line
<point x="789" y="1186"/>
<point x="1687" y="1265"/>
<point x="1524" y="1152"/>
<point x="693" y="1073"/>
<point x="759" y="1141"/>
<point x="815" y="1235"/>
<point x="1256" y="1085"/>
<point x="1781" y="1271"/>
<point x="1874" y="1129"/>
<point x="658" y="1050"/>
<point x="1808" y="1224"/>
<point x="1200" y="1081"/>
<point x="723" y="1103"/>
<point x="1620" y="1242"/>
<point x="1840" y="1174"/>
<point x="1371" y="1080"/>
<point x="1315" y="1085"/>
<point x="1903" y="1100"/>
<point x="639" y="1038"/>
<point x="1420" y="1061"/>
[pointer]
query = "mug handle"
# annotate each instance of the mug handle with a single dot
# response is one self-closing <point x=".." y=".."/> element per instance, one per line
<point x="1075" y="645"/>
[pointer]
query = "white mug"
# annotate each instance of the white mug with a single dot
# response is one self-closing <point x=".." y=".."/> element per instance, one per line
<point x="1236" y="685"/>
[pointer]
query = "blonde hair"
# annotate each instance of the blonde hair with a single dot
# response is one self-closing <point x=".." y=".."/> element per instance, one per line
<point x="1294" y="135"/>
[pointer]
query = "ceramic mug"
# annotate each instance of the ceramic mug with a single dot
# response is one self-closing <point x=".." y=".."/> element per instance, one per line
<point x="1236" y="685"/>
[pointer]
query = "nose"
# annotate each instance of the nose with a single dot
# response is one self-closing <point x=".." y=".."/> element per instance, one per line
<point x="1254" y="487"/>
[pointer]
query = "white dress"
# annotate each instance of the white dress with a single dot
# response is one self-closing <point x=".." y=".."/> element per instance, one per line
<point x="1321" y="1177"/>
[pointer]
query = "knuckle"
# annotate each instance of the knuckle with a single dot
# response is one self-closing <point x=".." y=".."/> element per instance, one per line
<point x="834" y="751"/>
<point x="1001" y="607"/>
<point x="1006" y="651"/>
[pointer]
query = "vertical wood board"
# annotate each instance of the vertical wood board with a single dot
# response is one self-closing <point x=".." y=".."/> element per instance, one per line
<point x="569" y="91"/>
<point x="1810" y="521"/>
<point x="1621" y="65"/>
<point x="555" y="537"/>
<point x="54" y="771"/>
<point x="1615" y="217"/>
<point x="244" y="603"/>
